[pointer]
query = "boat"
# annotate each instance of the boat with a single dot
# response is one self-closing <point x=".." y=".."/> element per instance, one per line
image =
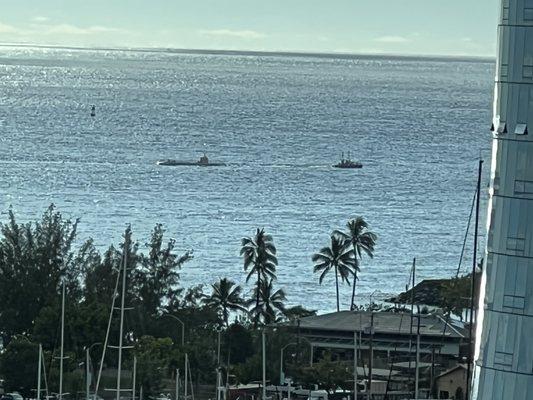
<point x="348" y="163"/>
<point x="122" y="274"/>
<point x="93" y="111"/>
<point x="202" y="162"/>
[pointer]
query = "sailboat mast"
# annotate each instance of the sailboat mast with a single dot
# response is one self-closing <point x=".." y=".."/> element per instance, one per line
<point x="39" y="372"/>
<point x="122" y="305"/>
<point x="62" y="343"/>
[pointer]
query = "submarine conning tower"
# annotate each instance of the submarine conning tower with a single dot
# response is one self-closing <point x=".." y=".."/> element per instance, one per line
<point x="503" y="362"/>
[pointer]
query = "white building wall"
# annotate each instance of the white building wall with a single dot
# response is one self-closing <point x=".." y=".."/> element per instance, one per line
<point x="504" y="341"/>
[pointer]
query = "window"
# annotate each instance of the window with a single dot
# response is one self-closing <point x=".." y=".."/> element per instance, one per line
<point x="523" y="187"/>
<point x="516" y="243"/>
<point x="521" y="129"/>
<point x="503" y="360"/>
<point x="528" y="14"/>
<point x="516" y="303"/>
<point x="502" y="128"/>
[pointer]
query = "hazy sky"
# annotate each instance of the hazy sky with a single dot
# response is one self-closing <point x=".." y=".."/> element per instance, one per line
<point x="449" y="27"/>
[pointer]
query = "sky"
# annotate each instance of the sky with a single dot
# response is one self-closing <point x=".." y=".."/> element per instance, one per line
<point x="416" y="27"/>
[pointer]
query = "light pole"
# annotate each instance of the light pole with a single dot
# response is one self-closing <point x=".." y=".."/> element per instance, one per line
<point x="281" y="373"/>
<point x="264" y="363"/>
<point x="87" y="370"/>
<point x="371" y="350"/>
<point x="182" y="326"/>
<point x="219" y="377"/>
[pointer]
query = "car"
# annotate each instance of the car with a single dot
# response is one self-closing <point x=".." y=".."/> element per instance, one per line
<point x="12" y="396"/>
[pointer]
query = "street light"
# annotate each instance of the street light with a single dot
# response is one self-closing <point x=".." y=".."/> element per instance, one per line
<point x="87" y="370"/>
<point x="182" y="326"/>
<point x="281" y="373"/>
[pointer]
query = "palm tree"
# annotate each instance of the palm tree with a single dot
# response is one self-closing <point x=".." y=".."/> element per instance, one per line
<point x="270" y="303"/>
<point x="338" y="257"/>
<point x="362" y="242"/>
<point x="225" y="297"/>
<point x="259" y="255"/>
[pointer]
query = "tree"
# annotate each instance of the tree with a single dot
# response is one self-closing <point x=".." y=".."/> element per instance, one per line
<point x="270" y="304"/>
<point x="455" y="295"/>
<point x="153" y="358"/>
<point x="362" y="241"/>
<point x="18" y="365"/>
<point x="297" y="312"/>
<point x="259" y="254"/>
<point x="338" y="257"/>
<point x="239" y="343"/>
<point x="156" y="277"/>
<point x="225" y="297"/>
<point x="35" y="258"/>
<point x="329" y="374"/>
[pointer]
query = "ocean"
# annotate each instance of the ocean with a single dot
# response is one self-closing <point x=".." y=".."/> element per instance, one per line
<point x="279" y="122"/>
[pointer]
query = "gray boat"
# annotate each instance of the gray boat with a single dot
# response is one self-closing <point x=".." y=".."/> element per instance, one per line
<point x="202" y="162"/>
<point x="348" y="163"/>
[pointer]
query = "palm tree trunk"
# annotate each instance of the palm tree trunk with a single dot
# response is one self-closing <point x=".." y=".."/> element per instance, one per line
<point x="256" y="322"/>
<point x="337" y="285"/>
<point x="352" y="305"/>
<point x="225" y="315"/>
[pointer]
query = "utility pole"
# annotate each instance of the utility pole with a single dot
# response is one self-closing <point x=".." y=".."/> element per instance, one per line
<point x="473" y="282"/>
<point x="177" y="383"/>
<point x="371" y="351"/>
<point x="264" y="364"/>
<point x="186" y="375"/>
<point x="355" y="365"/>
<point x="417" y="354"/>
<point x="134" y="377"/>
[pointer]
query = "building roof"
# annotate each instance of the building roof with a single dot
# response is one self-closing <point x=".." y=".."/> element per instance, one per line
<point x="449" y="371"/>
<point x="384" y="323"/>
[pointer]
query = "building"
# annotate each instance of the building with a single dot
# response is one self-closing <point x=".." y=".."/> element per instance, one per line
<point x="451" y="384"/>
<point x="504" y="351"/>
<point x="388" y="333"/>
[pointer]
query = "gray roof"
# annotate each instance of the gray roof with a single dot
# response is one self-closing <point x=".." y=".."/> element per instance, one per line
<point x="384" y="323"/>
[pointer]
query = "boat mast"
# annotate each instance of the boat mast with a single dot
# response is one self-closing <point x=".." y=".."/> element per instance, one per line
<point x="62" y="356"/>
<point x="39" y="372"/>
<point x="122" y="270"/>
<point x="122" y="306"/>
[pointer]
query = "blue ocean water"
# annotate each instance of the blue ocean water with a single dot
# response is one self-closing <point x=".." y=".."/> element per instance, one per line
<point x="279" y="123"/>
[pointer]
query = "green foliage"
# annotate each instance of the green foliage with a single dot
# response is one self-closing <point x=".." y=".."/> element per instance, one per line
<point x="153" y="360"/>
<point x="35" y="259"/>
<point x="156" y="275"/>
<point x="362" y="241"/>
<point x="18" y="365"/>
<point x="327" y="373"/>
<point x="259" y="255"/>
<point x="338" y="258"/>
<point x="226" y="297"/>
<point x="297" y="312"/>
<point x="238" y="344"/>
<point x="455" y="294"/>
<point x="268" y="306"/>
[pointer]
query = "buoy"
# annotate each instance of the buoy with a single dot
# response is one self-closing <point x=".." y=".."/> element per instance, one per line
<point x="93" y="111"/>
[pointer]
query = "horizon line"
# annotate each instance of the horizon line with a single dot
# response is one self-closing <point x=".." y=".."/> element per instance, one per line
<point x="282" y="53"/>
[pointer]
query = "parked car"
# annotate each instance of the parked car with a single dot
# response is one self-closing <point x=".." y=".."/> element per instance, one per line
<point x="12" y="396"/>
